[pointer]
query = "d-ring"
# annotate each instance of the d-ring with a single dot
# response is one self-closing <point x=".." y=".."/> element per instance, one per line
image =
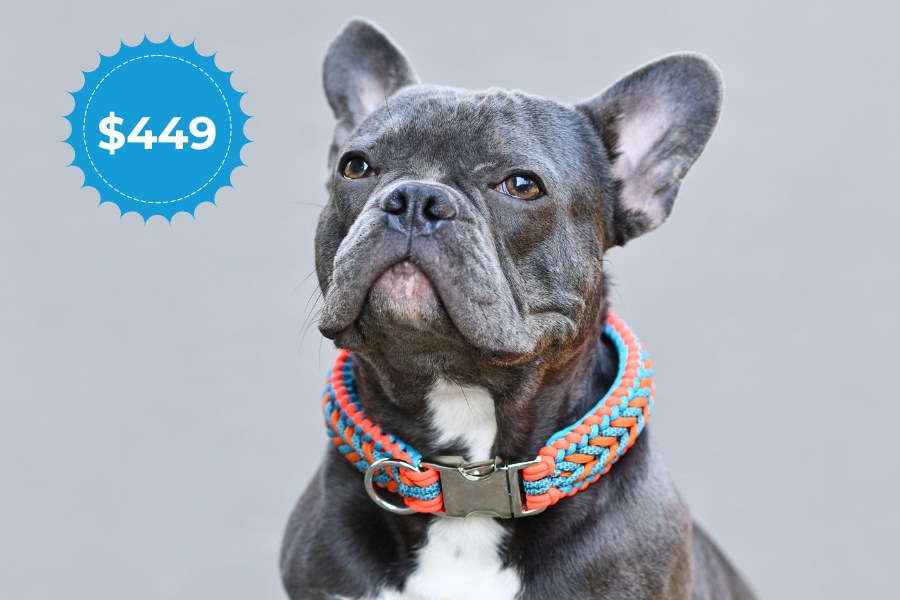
<point x="376" y="466"/>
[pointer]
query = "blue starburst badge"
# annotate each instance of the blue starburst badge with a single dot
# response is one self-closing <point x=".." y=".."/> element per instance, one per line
<point x="157" y="129"/>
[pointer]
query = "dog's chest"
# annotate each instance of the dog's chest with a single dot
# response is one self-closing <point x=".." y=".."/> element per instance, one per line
<point x="461" y="557"/>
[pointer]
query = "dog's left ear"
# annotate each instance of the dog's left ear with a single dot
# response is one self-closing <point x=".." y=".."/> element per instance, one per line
<point x="654" y="123"/>
<point x="363" y="67"/>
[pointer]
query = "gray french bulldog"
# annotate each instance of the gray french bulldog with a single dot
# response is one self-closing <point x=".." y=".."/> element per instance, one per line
<point x="461" y="260"/>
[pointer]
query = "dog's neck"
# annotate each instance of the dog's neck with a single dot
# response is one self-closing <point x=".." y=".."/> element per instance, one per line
<point x="509" y="416"/>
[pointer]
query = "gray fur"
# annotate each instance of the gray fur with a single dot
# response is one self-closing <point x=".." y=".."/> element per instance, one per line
<point x="521" y="299"/>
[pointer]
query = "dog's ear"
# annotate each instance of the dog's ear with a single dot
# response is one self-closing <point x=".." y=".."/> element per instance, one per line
<point x="654" y="123"/>
<point x="363" y="67"/>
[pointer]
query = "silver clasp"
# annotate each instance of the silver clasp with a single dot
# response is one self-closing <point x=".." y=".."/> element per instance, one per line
<point x="373" y="493"/>
<point x="488" y="488"/>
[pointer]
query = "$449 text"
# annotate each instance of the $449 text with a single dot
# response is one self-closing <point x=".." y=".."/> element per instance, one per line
<point x="201" y="128"/>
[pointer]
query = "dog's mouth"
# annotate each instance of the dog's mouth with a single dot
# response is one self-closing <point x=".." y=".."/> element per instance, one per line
<point x="430" y="292"/>
<point x="403" y="298"/>
<point x="405" y="294"/>
<point x="401" y="295"/>
<point x="404" y="283"/>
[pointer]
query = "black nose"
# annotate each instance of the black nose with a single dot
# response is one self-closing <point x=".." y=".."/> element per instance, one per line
<point x="418" y="208"/>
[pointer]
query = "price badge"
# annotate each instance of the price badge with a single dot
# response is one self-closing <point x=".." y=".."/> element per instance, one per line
<point x="157" y="129"/>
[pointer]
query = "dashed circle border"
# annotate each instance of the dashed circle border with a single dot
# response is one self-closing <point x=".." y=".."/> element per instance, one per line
<point x="84" y="129"/>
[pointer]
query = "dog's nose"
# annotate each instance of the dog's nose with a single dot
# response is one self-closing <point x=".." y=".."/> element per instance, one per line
<point x="418" y="208"/>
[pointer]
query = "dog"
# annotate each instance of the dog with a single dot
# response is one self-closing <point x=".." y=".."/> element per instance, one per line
<point x="460" y="256"/>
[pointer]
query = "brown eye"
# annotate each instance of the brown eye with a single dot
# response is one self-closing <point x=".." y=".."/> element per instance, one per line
<point x="520" y="186"/>
<point x="356" y="168"/>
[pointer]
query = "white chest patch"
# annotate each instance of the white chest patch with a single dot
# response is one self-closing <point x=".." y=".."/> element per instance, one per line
<point x="460" y="560"/>
<point x="463" y="413"/>
<point x="461" y="557"/>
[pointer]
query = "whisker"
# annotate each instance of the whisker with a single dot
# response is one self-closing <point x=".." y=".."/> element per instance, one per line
<point x="312" y="315"/>
<point x="311" y="273"/>
<point x="307" y="327"/>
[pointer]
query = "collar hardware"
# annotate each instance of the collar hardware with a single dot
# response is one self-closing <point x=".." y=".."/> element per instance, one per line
<point x="490" y="488"/>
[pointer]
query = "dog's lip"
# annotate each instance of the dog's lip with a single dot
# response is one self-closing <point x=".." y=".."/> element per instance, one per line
<point x="334" y="333"/>
<point x="350" y="284"/>
<point x="404" y="268"/>
<point x="339" y="331"/>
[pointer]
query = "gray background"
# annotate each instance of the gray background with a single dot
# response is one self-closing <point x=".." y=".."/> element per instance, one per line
<point x="160" y="403"/>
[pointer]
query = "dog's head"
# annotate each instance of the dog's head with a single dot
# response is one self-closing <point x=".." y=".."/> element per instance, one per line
<point x="467" y="229"/>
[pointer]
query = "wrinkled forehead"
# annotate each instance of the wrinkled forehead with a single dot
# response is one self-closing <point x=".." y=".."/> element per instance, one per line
<point x="492" y="130"/>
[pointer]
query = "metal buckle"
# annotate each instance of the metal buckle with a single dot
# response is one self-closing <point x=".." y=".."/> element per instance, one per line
<point x="488" y="488"/>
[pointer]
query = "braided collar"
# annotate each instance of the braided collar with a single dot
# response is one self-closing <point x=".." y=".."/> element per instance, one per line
<point x="571" y="460"/>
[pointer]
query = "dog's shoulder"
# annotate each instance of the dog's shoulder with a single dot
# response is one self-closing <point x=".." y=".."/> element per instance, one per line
<point x="628" y="534"/>
<point x="340" y="544"/>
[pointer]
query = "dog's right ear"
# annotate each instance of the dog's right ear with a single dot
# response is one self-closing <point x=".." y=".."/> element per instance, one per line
<point x="363" y="67"/>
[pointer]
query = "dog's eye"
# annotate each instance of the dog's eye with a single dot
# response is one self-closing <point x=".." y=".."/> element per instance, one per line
<point x="520" y="186"/>
<point x="356" y="168"/>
